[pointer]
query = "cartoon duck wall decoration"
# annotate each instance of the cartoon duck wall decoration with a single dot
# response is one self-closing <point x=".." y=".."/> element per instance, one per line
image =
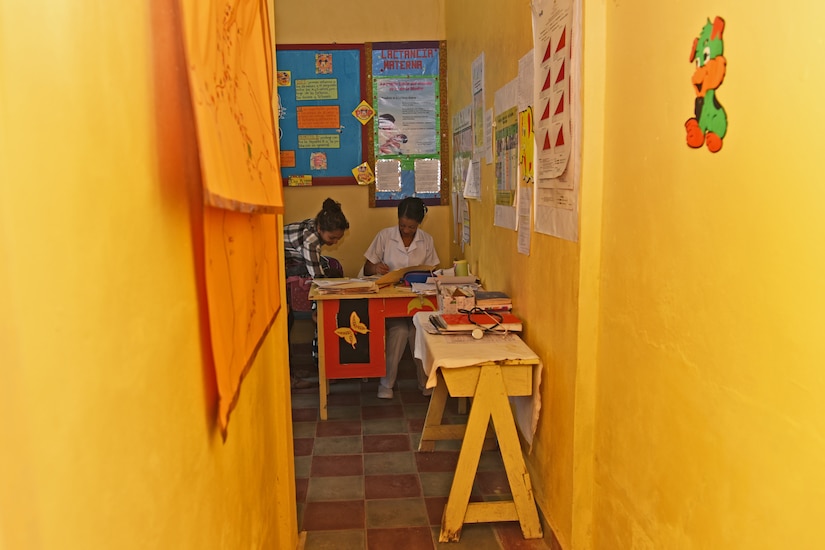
<point x="709" y="123"/>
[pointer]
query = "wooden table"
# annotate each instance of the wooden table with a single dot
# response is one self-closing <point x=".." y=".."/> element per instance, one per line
<point x="360" y="354"/>
<point x="488" y="371"/>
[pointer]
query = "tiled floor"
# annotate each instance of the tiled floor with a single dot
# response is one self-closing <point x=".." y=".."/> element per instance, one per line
<point x="361" y="484"/>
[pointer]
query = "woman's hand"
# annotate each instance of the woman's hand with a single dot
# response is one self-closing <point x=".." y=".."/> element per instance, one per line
<point x="375" y="269"/>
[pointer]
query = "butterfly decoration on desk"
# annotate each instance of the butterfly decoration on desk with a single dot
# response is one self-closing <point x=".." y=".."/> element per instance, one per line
<point x="349" y="333"/>
<point x="420" y="302"/>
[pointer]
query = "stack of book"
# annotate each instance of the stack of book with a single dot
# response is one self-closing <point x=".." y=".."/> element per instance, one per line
<point x="493" y="300"/>
<point x="493" y="321"/>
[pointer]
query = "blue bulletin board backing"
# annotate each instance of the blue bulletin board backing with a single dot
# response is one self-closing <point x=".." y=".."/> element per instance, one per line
<point x="319" y="87"/>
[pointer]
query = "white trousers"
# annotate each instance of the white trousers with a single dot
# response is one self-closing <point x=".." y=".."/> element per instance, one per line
<point x="400" y="333"/>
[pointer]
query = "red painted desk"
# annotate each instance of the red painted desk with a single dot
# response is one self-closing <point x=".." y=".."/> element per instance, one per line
<point x="353" y="347"/>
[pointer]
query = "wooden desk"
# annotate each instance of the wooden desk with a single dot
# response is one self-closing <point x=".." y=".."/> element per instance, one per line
<point x="366" y="357"/>
<point x="489" y="371"/>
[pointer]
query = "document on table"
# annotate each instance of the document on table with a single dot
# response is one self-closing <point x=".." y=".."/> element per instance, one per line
<point x="345" y="286"/>
<point x="424" y="288"/>
<point x="394" y="276"/>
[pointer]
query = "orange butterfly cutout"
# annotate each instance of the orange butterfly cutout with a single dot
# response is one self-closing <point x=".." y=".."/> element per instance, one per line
<point x="348" y="333"/>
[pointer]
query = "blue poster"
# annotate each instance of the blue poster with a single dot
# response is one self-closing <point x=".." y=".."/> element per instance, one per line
<point x="321" y="141"/>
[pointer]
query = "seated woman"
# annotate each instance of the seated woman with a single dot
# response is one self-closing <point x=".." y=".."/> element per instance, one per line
<point x="394" y="248"/>
<point x="303" y="241"/>
<point x="302" y="252"/>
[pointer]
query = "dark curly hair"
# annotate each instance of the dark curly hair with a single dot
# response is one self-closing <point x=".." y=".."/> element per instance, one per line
<point x="331" y="217"/>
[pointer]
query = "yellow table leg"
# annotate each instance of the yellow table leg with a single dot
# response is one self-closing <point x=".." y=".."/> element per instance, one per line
<point x="323" y="384"/>
<point x="433" y="429"/>
<point x="517" y="474"/>
<point x="465" y="472"/>
<point x="490" y="401"/>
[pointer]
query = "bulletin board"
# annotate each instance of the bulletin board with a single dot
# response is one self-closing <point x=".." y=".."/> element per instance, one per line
<point x="408" y="94"/>
<point x="320" y="88"/>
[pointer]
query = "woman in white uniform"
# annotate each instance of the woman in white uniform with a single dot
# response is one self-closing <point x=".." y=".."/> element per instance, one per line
<point x="394" y="248"/>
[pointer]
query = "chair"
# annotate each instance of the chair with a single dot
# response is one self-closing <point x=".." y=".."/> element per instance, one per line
<point x="297" y="288"/>
<point x="297" y="296"/>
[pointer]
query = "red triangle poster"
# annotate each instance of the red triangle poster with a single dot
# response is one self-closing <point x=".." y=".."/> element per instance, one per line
<point x="546" y="145"/>
<point x="560" y="138"/>
<point x="562" y="41"/>
<point x="547" y="82"/>
<point x="560" y="106"/>
<point x="560" y="76"/>
<point x="548" y="52"/>
<point x="546" y="113"/>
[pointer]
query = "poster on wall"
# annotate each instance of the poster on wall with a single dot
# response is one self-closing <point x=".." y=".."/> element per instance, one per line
<point x="462" y="156"/>
<point x="228" y="54"/>
<point x="477" y="72"/>
<point x="526" y="147"/>
<point x="229" y="81"/>
<point x="407" y="141"/>
<point x="321" y="113"/>
<point x="556" y="118"/>
<point x="506" y="154"/>
<point x="551" y="35"/>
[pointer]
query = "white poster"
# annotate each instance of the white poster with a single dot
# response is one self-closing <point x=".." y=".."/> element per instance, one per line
<point x="552" y="28"/>
<point x="556" y="118"/>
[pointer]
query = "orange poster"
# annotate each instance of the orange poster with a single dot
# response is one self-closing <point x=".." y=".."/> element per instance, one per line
<point x="229" y="55"/>
<point x="242" y="288"/>
<point x="288" y="159"/>
<point x="322" y="116"/>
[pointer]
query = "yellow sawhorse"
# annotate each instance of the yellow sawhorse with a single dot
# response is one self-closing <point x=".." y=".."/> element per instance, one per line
<point x="489" y="385"/>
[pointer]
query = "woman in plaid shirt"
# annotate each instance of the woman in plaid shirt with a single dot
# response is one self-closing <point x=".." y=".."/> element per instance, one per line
<point x="302" y="254"/>
<point x="303" y="241"/>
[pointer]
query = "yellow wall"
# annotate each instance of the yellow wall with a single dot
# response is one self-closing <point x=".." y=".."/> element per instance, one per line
<point x="681" y="335"/>
<point x="333" y="21"/>
<point x="711" y="357"/>
<point x="108" y="434"/>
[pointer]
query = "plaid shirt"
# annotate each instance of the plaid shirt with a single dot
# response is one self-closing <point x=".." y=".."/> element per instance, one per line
<point x="303" y="244"/>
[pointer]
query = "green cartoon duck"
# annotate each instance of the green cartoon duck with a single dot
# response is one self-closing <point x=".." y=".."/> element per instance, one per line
<point x="709" y="123"/>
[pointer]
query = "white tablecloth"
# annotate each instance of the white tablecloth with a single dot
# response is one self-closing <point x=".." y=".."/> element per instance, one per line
<point x="446" y="351"/>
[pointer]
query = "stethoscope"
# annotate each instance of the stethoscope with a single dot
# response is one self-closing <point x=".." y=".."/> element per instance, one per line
<point x="480" y="330"/>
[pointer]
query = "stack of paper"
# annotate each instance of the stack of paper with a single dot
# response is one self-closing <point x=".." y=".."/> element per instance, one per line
<point x="345" y="286"/>
<point x="423" y="288"/>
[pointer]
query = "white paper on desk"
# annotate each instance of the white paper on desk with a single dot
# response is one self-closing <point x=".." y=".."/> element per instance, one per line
<point x="343" y="283"/>
<point x="423" y="288"/>
<point x="456" y="279"/>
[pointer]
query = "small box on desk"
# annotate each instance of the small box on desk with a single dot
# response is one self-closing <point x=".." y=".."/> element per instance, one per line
<point x="452" y="298"/>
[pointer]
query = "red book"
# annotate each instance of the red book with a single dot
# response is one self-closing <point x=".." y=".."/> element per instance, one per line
<point x="494" y="320"/>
